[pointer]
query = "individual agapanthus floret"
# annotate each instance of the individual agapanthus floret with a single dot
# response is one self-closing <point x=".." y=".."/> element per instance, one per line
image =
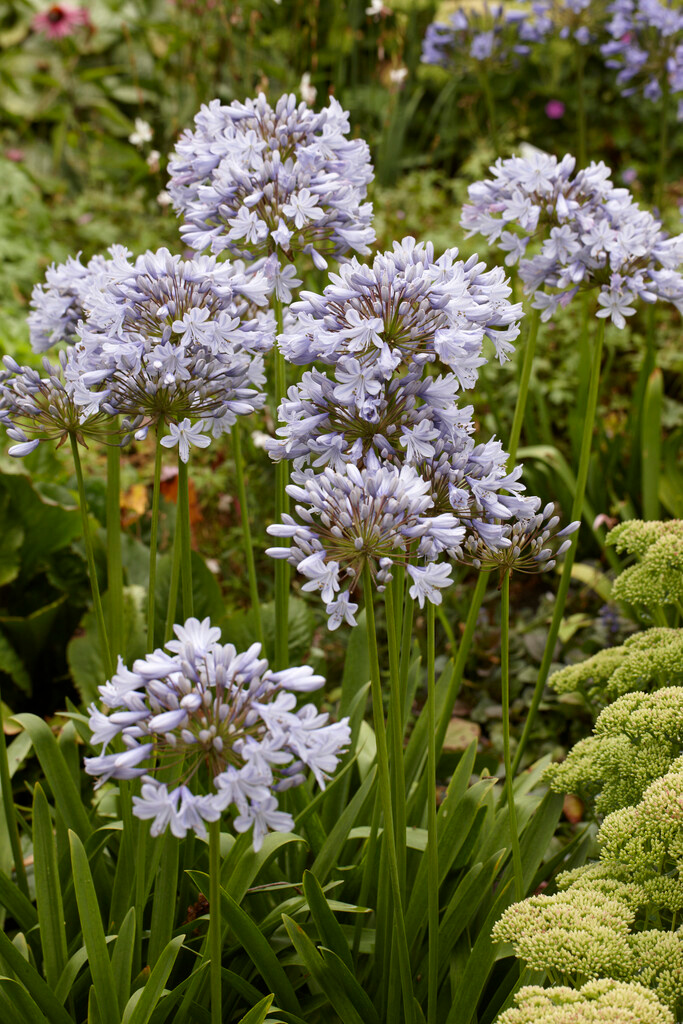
<point x="646" y="661"/>
<point x="58" y="305"/>
<point x="645" y="47"/>
<point x="593" y="236"/>
<point x="605" y="1001"/>
<point x="577" y="932"/>
<point x="174" y="339"/>
<point x="531" y="543"/>
<point x="255" y="181"/>
<point x="232" y="724"/>
<point x="657" y="578"/>
<point x="34" y="409"/>
<point x="476" y="37"/>
<point x="406" y="307"/>
<point x="355" y="517"/>
<point x="634" y="742"/>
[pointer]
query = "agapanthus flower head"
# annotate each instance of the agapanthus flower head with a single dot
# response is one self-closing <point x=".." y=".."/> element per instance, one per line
<point x="592" y="235"/>
<point x="346" y="520"/>
<point x="60" y="304"/>
<point x="36" y="409"/>
<point x="530" y="543"/>
<point x="646" y="48"/>
<point x="596" y="1002"/>
<point x="256" y="181"/>
<point x="406" y="307"/>
<point x="580" y="20"/>
<point x="485" y="35"/>
<point x="174" y="339"/>
<point x="229" y="725"/>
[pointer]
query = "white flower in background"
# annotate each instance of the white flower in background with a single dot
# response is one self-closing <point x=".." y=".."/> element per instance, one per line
<point x="377" y="9"/>
<point x="398" y="75"/>
<point x="142" y="133"/>
<point x="308" y="91"/>
<point x="164" y="198"/>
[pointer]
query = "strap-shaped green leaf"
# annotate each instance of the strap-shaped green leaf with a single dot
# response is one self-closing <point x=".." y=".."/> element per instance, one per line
<point x="251" y="863"/>
<point x="258" y="1013"/>
<point x="48" y="891"/>
<point x="324" y="977"/>
<point x="17" y="1005"/>
<point x="38" y="989"/>
<point x="328" y="927"/>
<point x="93" y="934"/>
<point x="142" y="1009"/>
<point x="122" y="958"/>
<point x="57" y="773"/>
<point x="16" y="904"/>
<point x="329" y="855"/>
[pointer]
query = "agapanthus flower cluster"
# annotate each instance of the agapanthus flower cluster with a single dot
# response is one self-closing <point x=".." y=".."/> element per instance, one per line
<point x="181" y="340"/>
<point x="224" y="722"/>
<point x="568" y="19"/>
<point x="597" y="1002"/>
<point x="646" y="48"/>
<point x="475" y="37"/>
<point x="528" y="544"/>
<point x="406" y="307"/>
<point x="35" y="409"/>
<point x="257" y="181"/>
<point x="591" y="234"/>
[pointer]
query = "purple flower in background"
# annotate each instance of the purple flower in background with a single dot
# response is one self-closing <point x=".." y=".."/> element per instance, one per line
<point x="646" y="48"/>
<point x="554" y="109"/>
<point x="476" y="36"/>
<point x="233" y="724"/>
<point x="255" y="181"/>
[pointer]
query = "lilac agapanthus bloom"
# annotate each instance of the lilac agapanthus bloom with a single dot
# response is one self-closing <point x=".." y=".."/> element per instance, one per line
<point x="475" y="37"/>
<point x="174" y="339"/>
<point x="580" y="20"/>
<point x="232" y="723"/>
<point x="263" y="182"/>
<point x="534" y="544"/>
<point x="646" y="48"/>
<point x="592" y="234"/>
<point x="406" y="307"/>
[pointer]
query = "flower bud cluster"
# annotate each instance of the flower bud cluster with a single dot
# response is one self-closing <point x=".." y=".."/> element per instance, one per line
<point x="181" y="340"/>
<point x="657" y="577"/>
<point x="256" y="181"/>
<point x="591" y="234"/>
<point x="596" y="1002"/>
<point x="646" y="48"/>
<point x="204" y="712"/>
<point x="476" y="37"/>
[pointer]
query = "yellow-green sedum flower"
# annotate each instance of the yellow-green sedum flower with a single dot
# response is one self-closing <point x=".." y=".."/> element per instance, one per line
<point x="657" y="578"/>
<point x="599" y="1002"/>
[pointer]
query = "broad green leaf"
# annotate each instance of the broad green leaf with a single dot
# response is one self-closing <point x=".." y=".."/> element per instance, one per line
<point x="16" y="904"/>
<point x="237" y="881"/>
<point x="19" y="1007"/>
<point x="142" y="1010"/>
<point x="38" y="989"/>
<point x="84" y="652"/>
<point x="258" y="1013"/>
<point x="48" y="891"/>
<point x="594" y="579"/>
<point x="122" y="958"/>
<point x="93" y="934"/>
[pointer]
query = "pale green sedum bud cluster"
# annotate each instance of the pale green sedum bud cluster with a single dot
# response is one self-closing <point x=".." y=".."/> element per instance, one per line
<point x="598" y="1002"/>
<point x="657" y="578"/>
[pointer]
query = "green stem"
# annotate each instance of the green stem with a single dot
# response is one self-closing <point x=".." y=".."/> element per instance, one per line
<point x="90" y="557"/>
<point x="246" y="531"/>
<point x="505" y="687"/>
<point x="114" y="563"/>
<point x="368" y="868"/>
<point x="663" y="144"/>
<point x="385" y="793"/>
<point x="396" y="737"/>
<point x="577" y="509"/>
<point x="490" y="108"/>
<point x="153" y="539"/>
<point x="580" y="81"/>
<point x="10" y="812"/>
<point x="282" y="570"/>
<point x="173" y="586"/>
<point x="432" y="838"/>
<point x="215" y="942"/>
<point x="520" y="407"/>
<point x="185" y="539"/>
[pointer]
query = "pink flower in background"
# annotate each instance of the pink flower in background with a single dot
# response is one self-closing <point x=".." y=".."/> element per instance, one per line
<point x="15" y="155"/>
<point x="59" y="20"/>
<point x="554" y="109"/>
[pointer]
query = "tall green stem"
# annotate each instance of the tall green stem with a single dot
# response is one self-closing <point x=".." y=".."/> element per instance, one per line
<point x="577" y="509"/>
<point x="246" y="531"/>
<point x="505" y="688"/>
<point x="663" y="144"/>
<point x="396" y="737"/>
<point x="90" y="558"/>
<point x="173" y="586"/>
<point x="432" y="838"/>
<point x="215" y="927"/>
<point x="185" y="538"/>
<point x="520" y="407"/>
<point x="281" y="506"/>
<point x="385" y="793"/>
<point x="490" y="108"/>
<point x="10" y="812"/>
<point x="154" y="535"/>
<point x="114" y="562"/>
<point x="580" y="85"/>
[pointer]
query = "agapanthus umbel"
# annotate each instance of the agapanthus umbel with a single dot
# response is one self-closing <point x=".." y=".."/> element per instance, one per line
<point x="646" y="48"/>
<point x="375" y="516"/>
<point x="580" y="20"/>
<point x="228" y="725"/>
<point x="592" y="235"/>
<point x="34" y="409"/>
<point x="406" y="307"/>
<point x="475" y="37"/>
<point x="172" y="338"/>
<point x="531" y="543"/>
<point x="257" y="182"/>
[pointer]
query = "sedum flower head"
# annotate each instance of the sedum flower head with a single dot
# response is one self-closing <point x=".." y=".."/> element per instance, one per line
<point x="605" y="1001"/>
<point x="591" y="234"/>
<point x="172" y="338"/>
<point x="355" y="517"/>
<point x="634" y="742"/>
<point x="256" y="181"/>
<point x="406" y="307"/>
<point x="223" y="721"/>
<point x="657" y="578"/>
